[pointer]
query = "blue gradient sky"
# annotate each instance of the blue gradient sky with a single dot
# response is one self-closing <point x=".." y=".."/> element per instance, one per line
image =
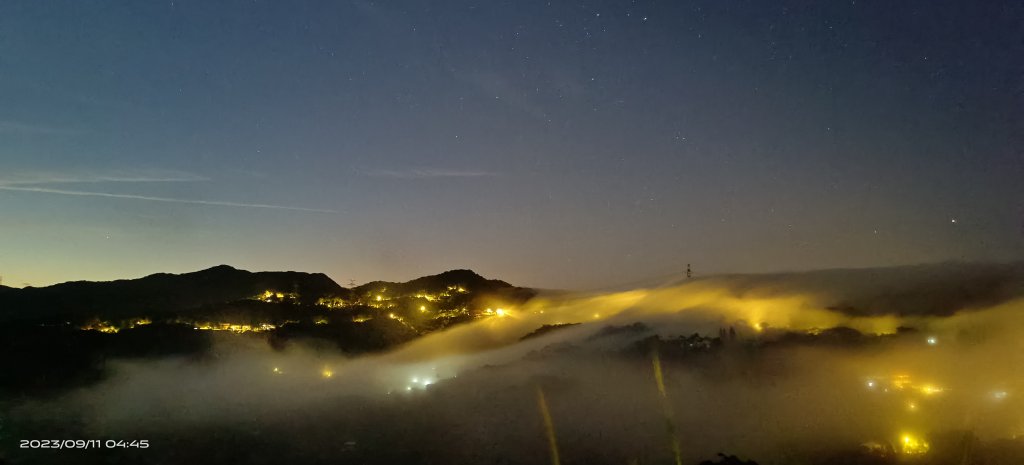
<point x="567" y="145"/>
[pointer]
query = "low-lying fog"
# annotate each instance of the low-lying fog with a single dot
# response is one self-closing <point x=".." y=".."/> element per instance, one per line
<point x="470" y="394"/>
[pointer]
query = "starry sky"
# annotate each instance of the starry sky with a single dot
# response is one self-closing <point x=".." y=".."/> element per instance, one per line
<point x="552" y="144"/>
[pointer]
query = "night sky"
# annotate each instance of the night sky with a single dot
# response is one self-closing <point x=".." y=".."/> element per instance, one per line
<point x="562" y="144"/>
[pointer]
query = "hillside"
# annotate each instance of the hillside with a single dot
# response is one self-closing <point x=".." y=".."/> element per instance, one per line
<point x="72" y="328"/>
<point x="159" y="293"/>
<point x="267" y="296"/>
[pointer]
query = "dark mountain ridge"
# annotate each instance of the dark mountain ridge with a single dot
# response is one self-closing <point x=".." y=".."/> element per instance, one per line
<point x="166" y="294"/>
<point x="466" y="279"/>
<point x="71" y="329"/>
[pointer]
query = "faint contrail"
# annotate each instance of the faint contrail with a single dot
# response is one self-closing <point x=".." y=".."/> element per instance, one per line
<point x="98" y="179"/>
<point x="427" y="173"/>
<point x="158" y="199"/>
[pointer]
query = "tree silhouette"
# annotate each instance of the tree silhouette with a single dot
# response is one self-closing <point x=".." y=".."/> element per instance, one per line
<point x="728" y="460"/>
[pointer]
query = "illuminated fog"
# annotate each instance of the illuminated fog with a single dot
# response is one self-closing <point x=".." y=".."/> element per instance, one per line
<point x="470" y="393"/>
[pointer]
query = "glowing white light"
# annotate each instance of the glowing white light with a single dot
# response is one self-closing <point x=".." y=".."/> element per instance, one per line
<point x="999" y="395"/>
<point x="932" y="340"/>
<point x="871" y="384"/>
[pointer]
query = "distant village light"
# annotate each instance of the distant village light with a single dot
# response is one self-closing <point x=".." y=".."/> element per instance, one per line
<point x="912" y="445"/>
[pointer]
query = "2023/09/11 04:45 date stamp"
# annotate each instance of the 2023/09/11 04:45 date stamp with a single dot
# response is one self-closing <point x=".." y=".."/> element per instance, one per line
<point x="84" y="444"/>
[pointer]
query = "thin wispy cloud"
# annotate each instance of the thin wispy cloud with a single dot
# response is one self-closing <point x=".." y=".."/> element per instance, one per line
<point x="36" y="178"/>
<point x="16" y="127"/>
<point x="38" y="182"/>
<point x="47" y="190"/>
<point x="427" y="173"/>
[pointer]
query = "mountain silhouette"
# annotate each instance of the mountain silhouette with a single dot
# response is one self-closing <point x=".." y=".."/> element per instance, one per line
<point x="158" y="293"/>
<point x="465" y="279"/>
<point x="164" y="294"/>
